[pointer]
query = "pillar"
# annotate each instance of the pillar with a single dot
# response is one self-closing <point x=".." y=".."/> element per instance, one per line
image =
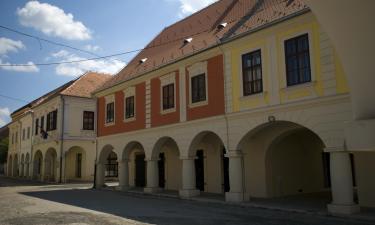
<point x="236" y="191"/>
<point x="188" y="178"/>
<point x="341" y="184"/>
<point x="123" y="175"/>
<point x="152" y="182"/>
<point x="99" y="175"/>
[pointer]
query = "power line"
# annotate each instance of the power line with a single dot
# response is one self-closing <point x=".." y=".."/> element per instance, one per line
<point x="12" y="98"/>
<point x="94" y="58"/>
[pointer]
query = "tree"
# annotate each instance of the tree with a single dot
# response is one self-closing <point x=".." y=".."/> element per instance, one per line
<point x="4" y="144"/>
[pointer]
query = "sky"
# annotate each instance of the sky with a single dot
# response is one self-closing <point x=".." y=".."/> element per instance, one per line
<point x="101" y="27"/>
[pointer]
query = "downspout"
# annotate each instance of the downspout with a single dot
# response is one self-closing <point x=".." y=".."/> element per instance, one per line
<point x="62" y="136"/>
<point x="96" y="142"/>
<point x="227" y="122"/>
<point x="32" y="146"/>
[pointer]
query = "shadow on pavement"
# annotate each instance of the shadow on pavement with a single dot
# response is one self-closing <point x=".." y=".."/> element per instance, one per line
<point x="14" y="182"/>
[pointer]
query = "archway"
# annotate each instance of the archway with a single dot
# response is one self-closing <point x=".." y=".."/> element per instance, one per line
<point x="27" y="169"/>
<point x="211" y="167"/>
<point x="133" y="169"/>
<point x="283" y="159"/>
<point x="22" y="172"/>
<point x="38" y="165"/>
<point x="10" y="166"/>
<point x="75" y="164"/>
<point x="15" y="172"/>
<point x="107" y="167"/>
<point x="50" y="165"/>
<point x="167" y="153"/>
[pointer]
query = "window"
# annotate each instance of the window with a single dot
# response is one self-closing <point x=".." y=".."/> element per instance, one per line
<point x="52" y="120"/>
<point x="28" y="133"/>
<point x="79" y="165"/>
<point x="198" y="88"/>
<point x="23" y="134"/>
<point x="36" y="126"/>
<point x="111" y="166"/>
<point x="88" y="120"/>
<point x="168" y="96"/>
<point x="129" y="107"/>
<point x="13" y="138"/>
<point x="42" y="123"/>
<point x="16" y="136"/>
<point x="297" y="58"/>
<point x="110" y="115"/>
<point x="252" y="73"/>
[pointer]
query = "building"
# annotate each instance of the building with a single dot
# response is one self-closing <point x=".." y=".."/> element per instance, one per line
<point x="53" y="137"/>
<point x="243" y="98"/>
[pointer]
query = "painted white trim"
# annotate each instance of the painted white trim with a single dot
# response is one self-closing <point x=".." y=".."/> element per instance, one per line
<point x="164" y="81"/>
<point x="240" y="75"/>
<point x="129" y="92"/>
<point x="109" y="99"/>
<point x="195" y="70"/>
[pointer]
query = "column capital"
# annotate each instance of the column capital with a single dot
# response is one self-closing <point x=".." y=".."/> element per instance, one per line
<point x="234" y="153"/>
<point x="185" y="157"/>
<point x="333" y="149"/>
<point x="123" y="160"/>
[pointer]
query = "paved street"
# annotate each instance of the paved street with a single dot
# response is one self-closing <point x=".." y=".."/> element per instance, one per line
<point x="24" y="203"/>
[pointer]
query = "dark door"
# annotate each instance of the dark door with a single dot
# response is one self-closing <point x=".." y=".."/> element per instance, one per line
<point x="225" y="172"/>
<point x="140" y="170"/>
<point x="161" y="165"/>
<point x="199" y="170"/>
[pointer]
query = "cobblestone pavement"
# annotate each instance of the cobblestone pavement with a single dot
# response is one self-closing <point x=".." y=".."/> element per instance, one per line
<point x="25" y="203"/>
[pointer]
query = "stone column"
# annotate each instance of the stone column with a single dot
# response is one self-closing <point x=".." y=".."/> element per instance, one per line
<point x="188" y="178"/>
<point x="341" y="184"/>
<point x="236" y="192"/>
<point x="99" y="175"/>
<point x="123" y="175"/>
<point x="152" y="182"/>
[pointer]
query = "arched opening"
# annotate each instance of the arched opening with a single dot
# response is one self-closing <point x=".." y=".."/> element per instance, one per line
<point x="27" y="165"/>
<point x="37" y="165"/>
<point x="10" y="166"/>
<point x="211" y="165"/>
<point x="15" y="172"/>
<point x="22" y="165"/>
<point x="284" y="159"/>
<point x="134" y="158"/>
<point x="169" y="164"/>
<point x="75" y="164"/>
<point x="50" y="165"/>
<point x="107" y="167"/>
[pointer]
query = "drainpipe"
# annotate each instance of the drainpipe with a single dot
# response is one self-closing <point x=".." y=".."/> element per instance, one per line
<point x="32" y="146"/>
<point x="62" y="136"/>
<point x="96" y="141"/>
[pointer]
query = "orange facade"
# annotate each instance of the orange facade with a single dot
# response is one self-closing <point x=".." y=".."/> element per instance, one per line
<point x="215" y="104"/>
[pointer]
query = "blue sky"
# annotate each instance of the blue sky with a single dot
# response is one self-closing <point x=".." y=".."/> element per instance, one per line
<point x="102" y="27"/>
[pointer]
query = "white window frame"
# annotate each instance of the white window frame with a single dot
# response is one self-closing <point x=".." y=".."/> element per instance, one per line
<point x="240" y="75"/>
<point x="164" y="81"/>
<point x="109" y="99"/>
<point x="195" y="70"/>
<point x="129" y="92"/>
<point x="284" y="85"/>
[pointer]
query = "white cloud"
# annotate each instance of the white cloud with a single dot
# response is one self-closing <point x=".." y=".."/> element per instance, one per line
<point x="9" y="45"/>
<point x="111" y="66"/>
<point x="4" y="116"/>
<point x="52" y="21"/>
<point x="188" y="7"/>
<point x="29" y="68"/>
<point x="92" y="48"/>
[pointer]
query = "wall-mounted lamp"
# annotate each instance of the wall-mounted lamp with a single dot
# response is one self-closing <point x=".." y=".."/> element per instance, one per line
<point x="271" y="119"/>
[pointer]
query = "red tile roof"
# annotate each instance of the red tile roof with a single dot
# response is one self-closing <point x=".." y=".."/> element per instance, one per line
<point x="241" y="16"/>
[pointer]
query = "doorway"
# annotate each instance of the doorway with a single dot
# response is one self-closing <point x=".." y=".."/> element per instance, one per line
<point x="199" y="170"/>
<point x="140" y="170"/>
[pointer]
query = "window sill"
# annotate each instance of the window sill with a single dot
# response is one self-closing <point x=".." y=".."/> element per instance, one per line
<point x="130" y="119"/>
<point x="253" y="96"/>
<point x="109" y="124"/>
<point x="310" y="84"/>
<point x="166" y="111"/>
<point x="198" y="104"/>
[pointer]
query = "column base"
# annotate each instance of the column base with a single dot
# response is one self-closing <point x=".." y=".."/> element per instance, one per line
<point x="122" y="188"/>
<point x="234" y="196"/>
<point x="151" y="189"/>
<point x="343" y="209"/>
<point x="188" y="193"/>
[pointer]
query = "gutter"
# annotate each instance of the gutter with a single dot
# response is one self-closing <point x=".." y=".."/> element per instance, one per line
<point x="221" y="42"/>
